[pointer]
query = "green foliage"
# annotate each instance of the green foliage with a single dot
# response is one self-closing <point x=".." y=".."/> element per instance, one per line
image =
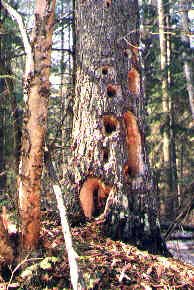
<point x="46" y="263"/>
<point x="158" y="122"/>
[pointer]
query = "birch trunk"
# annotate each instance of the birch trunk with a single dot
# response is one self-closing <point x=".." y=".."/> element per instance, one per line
<point x="35" y="123"/>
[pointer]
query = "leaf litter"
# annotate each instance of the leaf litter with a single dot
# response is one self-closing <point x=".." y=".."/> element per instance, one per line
<point x="104" y="263"/>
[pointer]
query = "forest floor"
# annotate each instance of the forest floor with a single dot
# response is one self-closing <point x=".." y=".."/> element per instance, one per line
<point x="104" y="263"/>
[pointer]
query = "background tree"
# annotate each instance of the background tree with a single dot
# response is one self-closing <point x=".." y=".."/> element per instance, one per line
<point x="10" y="46"/>
<point x="185" y="31"/>
<point x="60" y="113"/>
<point x="169" y="150"/>
<point x="179" y="116"/>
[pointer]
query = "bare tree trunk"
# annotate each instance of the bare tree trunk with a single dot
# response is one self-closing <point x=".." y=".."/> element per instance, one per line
<point x="35" y="123"/>
<point x="2" y="150"/>
<point x="2" y="138"/>
<point x="62" y="92"/>
<point x="108" y="133"/>
<point x="185" y="54"/>
<point x="189" y="79"/>
<point x="5" y="69"/>
<point x="173" y="180"/>
<point x="66" y="91"/>
<point x="165" y="99"/>
<point x="170" y="195"/>
<point x="163" y="66"/>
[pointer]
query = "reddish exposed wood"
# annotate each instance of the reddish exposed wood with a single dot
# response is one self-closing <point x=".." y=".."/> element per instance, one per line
<point x="134" y="81"/>
<point x="4" y="217"/>
<point x="90" y="186"/>
<point x="34" y="128"/>
<point x="40" y="7"/>
<point x="108" y="3"/>
<point x="133" y="74"/>
<point x="133" y="139"/>
<point x="6" y="252"/>
<point x="112" y="90"/>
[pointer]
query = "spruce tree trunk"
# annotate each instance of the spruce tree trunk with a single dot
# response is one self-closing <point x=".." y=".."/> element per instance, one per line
<point x="169" y="149"/>
<point x="2" y="150"/>
<point x="173" y="179"/>
<point x="2" y="136"/>
<point x="186" y="53"/>
<point x="164" y="81"/>
<point x="35" y="123"/>
<point x="5" y="69"/>
<point x="108" y="131"/>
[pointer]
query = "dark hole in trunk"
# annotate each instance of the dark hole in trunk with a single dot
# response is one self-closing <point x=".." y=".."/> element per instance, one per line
<point x="111" y="91"/>
<point x="96" y="207"/>
<point x="104" y="70"/>
<point x="105" y="154"/>
<point x="109" y="128"/>
<point x="110" y="124"/>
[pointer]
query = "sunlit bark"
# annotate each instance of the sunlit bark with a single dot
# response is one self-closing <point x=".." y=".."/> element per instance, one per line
<point x="108" y="132"/>
<point x="168" y="138"/>
<point x="163" y="66"/>
<point x="35" y="122"/>
<point x="185" y="55"/>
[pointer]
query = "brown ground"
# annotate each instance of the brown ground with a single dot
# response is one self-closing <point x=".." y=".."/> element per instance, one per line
<point x="105" y="264"/>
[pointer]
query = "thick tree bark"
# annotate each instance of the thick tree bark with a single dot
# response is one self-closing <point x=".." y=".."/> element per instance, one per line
<point x="35" y="122"/>
<point x="108" y="130"/>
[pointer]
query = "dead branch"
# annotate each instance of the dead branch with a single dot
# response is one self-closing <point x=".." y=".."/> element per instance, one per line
<point x="75" y="274"/>
<point x="27" y="46"/>
<point x="183" y="211"/>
